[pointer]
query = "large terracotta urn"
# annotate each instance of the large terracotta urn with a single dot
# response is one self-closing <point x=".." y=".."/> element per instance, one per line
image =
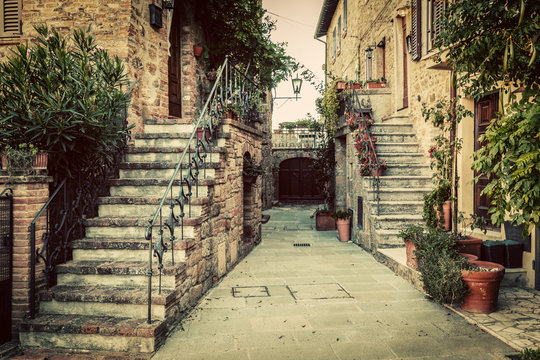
<point x="344" y="229"/>
<point x="483" y="286"/>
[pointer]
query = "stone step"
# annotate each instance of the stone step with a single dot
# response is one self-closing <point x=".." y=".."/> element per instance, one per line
<point x="167" y="125"/>
<point x="395" y="137"/>
<point x="396" y="147"/>
<point x="155" y="187"/>
<point x="105" y="249"/>
<point x="157" y="154"/>
<point x="156" y="170"/>
<point x="122" y="274"/>
<point x="401" y="181"/>
<point x="396" y="207"/>
<point x="396" y="221"/>
<point x="396" y="119"/>
<point x="384" y="128"/>
<point x="144" y="206"/>
<point x="398" y="194"/>
<point x="407" y="170"/>
<point x="404" y="159"/>
<point x="92" y="333"/>
<point x="105" y="301"/>
<point x="387" y="238"/>
<point x="170" y="140"/>
<point x="122" y="227"/>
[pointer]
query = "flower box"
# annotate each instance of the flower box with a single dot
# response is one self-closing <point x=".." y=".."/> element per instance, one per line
<point x="376" y="85"/>
<point x="324" y="222"/>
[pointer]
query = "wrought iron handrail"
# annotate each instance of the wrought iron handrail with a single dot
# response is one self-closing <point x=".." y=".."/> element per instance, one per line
<point x="232" y="90"/>
<point x="355" y="107"/>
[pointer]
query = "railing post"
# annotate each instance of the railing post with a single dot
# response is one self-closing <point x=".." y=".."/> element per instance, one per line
<point x="32" y="270"/>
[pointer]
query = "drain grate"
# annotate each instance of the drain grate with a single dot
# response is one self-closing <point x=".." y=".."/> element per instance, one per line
<point x="301" y="244"/>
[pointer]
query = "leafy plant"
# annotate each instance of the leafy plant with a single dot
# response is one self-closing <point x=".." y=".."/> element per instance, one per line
<point x="440" y="267"/>
<point x="340" y="215"/>
<point x="527" y="354"/>
<point x="251" y="168"/>
<point x="329" y="109"/>
<point x="433" y="204"/>
<point x="500" y="53"/>
<point x="323" y="168"/>
<point x="66" y="96"/>
<point x="412" y="233"/>
<point x="20" y="157"/>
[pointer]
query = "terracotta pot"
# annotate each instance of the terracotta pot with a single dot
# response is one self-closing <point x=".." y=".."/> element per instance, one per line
<point x="197" y="50"/>
<point x="376" y="85"/>
<point x="410" y="248"/>
<point x="324" y="222"/>
<point x="469" y="257"/>
<point x="446" y="214"/>
<point x="344" y="229"/>
<point x="471" y="245"/>
<point x="39" y="162"/>
<point x="341" y="85"/>
<point x="483" y="286"/>
<point x="379" y="172"/>
<point x="200" y="134"/>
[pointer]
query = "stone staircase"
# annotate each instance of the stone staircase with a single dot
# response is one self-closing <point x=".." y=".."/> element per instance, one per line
<point x="403" y="185"/>
<point x="100" y="300"/>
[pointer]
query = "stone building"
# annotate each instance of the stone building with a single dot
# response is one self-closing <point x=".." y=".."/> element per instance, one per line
<point x="388" y="48"/>
<point x="100" y="301"/>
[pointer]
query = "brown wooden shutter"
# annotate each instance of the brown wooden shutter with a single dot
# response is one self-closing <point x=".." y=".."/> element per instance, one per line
<point x="438" y="14"/>
<point x="10" y="18"/>
<point x="416" y="30"/>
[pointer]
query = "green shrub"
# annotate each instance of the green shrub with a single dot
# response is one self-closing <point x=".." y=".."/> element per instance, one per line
<point x="412" y="233"/>
<point x="66" y="96"/>
<point x="440" y="267"/>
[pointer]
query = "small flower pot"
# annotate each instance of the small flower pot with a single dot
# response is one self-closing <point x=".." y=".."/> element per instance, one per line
<point x="483" y="286"/>
<point x="39" y="162"/>
<point x="469" y="257"/>
<point x="201" y="133"/>
<point x="376" y="85"/>
<point x="197" y="50"/>
<point x="324" y="222"/>
<point x="447" y="225"/>
<point x="471" y="245"/>
<point x="344" y="229"/>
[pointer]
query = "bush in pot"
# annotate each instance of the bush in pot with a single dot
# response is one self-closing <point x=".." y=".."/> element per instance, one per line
<point x="411" y="235"/>
<point x="343" y="223"/>
<point x="324" y="220"/>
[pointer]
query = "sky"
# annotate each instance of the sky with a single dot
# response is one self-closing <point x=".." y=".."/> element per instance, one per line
<point x="295" y="24"/>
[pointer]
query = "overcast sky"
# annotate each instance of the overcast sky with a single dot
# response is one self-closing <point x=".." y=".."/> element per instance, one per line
<point x="296" y="22"/>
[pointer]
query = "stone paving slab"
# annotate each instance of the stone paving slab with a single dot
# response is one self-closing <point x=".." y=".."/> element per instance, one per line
<point x="383" y="317"/>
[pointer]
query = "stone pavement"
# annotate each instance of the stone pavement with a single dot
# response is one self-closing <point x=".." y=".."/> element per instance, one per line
<point x="328" y="300"/>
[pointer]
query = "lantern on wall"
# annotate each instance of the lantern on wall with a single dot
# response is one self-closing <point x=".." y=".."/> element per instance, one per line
<point x="156" y="16"/>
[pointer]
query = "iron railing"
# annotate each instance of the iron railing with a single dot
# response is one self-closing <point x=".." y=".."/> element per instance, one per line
<point x="232" y="92"/>
<point x="362" y="112"/>
<point x="307" y="139"/>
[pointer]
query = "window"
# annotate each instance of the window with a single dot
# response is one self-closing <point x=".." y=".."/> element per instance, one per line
<point x="344" y="14"/>
<point x="416" y="30"/>
<point x="369" y="66"/>
<point x="10" y="18"/>
<point x="334" y="43"/>
<point x="435" y="10"/>
<point x="339" y="33"/>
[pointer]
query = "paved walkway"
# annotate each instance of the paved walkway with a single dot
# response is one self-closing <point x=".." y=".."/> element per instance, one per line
<point x="330" y="300"/>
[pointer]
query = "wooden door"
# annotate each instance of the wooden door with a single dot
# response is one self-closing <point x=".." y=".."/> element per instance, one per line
<point x="485" y="111"/>
<point x="175" y="67"/>
<point x="405" y="75"/>
<point x="296" y="180"/>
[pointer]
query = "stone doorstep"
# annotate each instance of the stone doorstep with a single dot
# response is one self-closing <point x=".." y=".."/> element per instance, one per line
<point x="168" y="121"/>
<point x="116" y="268"/>
<point x="144" y="200"/>
<point x="102" y="325"/>
<point x="106" y="294"/>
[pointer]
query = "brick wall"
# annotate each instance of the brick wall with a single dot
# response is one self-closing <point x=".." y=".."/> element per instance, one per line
<point x="29" y="195"/>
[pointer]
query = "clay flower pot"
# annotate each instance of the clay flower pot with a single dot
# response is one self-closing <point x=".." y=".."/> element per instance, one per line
<point x="324" y="222"/>
<point x="197" y="50"/>
<point x="471" y="245"/>
<point x="469" y="257"/>
<point x="410" y="248"/>
<point x="447" y="216"/>
<point x="483" y="287"/>
<point x="344" y="229"/>
<point x="39" y="162"/>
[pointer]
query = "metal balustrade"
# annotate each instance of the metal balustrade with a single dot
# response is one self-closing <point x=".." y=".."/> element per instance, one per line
<point x="307" y="139"/>
<point x="233" y="93"/>
<point x="355" y="107"/>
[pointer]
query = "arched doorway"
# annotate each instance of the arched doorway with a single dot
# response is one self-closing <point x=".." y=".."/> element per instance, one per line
<point x="297" y="181"/>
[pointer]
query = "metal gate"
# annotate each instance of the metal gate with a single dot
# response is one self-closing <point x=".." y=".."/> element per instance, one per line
<point x="6" y="246"/>
<point x="296" y="181"/>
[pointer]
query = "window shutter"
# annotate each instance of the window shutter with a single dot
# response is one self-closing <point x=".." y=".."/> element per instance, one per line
<point x="416" y="30"/>
<point x="438" y="14"/>
<point x="10" y="18"/>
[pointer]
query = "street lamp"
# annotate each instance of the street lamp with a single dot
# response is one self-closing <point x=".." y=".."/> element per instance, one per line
<point x="296" y="85"/>
<point x="369" y="52"/>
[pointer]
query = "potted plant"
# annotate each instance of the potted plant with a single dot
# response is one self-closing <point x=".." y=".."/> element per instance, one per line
<point x="198" y="50"/>
<point x="483" y="279"/>
<point x="411" y="235"/>
<point x="376" y="83"/>
<point x="251" y="170"/>
<point x="467" y="243"/>
<point x="25" y="157"/>
<point x="343" y="223"/>
<point x="324" y="220"/>
<point x="437" y="207"/>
